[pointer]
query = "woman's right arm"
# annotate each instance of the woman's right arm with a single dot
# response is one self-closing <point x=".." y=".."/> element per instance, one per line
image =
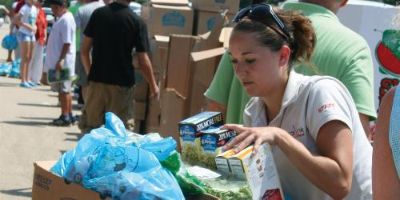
<point x="385" y="181"/>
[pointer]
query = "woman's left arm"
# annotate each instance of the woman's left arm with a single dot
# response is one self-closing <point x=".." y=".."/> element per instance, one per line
<point x="331" y="171"/>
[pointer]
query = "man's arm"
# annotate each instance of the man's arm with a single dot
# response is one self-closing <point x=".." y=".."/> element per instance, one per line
<point x="147" y="70"/>
<point x="85" y="53"/>
<point x="64" y="51"/>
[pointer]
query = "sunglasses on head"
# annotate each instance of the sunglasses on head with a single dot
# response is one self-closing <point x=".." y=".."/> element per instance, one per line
<point x="258" y="12"/>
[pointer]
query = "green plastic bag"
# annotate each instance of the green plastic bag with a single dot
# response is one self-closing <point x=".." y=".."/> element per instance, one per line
<point x="190" y="185"/>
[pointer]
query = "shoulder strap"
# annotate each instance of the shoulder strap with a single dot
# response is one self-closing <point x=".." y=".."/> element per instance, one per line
<point x="394" y="130"/>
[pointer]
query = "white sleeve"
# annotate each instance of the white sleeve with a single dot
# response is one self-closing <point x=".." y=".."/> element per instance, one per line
<point x="68" y="33"/>
<point x="77" y="18"/>
<point x="23" y="11"/>
<point x="328" y="100"/>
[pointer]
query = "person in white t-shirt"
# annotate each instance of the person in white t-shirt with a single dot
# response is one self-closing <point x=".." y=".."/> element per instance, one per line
<point x="318" y="142"/>
<point x="60" y="53"/>
<point x="26" y="21"/>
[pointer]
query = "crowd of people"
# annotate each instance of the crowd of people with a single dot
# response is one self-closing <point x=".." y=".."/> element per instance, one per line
<point x="293" y="77"/>
<point x="98" y="49"/>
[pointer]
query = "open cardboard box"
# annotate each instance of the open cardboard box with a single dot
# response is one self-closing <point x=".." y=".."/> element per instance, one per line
<point x="48" y="186"/>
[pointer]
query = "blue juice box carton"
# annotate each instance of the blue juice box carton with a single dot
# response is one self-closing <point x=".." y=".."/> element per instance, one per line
<point x="212" y="141"/>
<point x="190" y="134"/>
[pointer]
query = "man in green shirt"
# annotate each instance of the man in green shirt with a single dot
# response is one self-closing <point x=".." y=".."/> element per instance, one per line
<point x="339" y="52"/>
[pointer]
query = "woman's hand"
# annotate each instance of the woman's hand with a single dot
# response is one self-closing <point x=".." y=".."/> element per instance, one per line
<point x="252" y="135"/>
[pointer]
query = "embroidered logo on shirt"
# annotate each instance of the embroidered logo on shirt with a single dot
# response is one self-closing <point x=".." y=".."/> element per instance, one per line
<point x="297" y="132"/>
<point x="326" y="107"/>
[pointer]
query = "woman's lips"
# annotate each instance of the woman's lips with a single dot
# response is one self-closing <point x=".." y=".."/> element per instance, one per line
<point x="247" y="83"/>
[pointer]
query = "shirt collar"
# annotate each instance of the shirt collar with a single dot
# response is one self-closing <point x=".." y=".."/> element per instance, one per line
<point x="309" y="9"/>
<point x="256" y="108"/>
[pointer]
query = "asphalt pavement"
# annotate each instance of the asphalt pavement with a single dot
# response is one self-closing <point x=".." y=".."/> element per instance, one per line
<point x="25" y="133"/>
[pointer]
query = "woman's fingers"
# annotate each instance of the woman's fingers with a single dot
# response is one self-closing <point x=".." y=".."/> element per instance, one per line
<point x="245" y="142"/>
<point x="256" y="146"/>
<point x="236" y="140"/>
<point x="236" y="127"/>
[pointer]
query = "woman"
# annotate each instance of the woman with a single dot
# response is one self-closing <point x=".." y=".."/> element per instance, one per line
<point x="386" y="157"/>
<point x="26" y="21"/>
<point x="36" y="64"/>
<point x="318" y="142"/>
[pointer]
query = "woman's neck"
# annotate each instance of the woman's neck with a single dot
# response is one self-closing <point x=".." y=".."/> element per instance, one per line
<point x="273" y="101"/>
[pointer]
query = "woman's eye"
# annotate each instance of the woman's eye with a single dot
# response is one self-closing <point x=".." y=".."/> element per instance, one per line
<point x="249" y="61"/>
<point x="234" y="61"/>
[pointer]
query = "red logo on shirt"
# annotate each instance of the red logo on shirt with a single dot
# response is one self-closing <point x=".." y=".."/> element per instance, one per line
<point x="297" y="132"/>
<point x="325" y="107"/>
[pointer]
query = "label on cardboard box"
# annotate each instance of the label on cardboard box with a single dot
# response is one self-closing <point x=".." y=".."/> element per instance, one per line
<point x="212" y="141"/>
<point x="207" y="20"/>
<point x="216" y="5"/>
<point x="214" y="138"/>
<point x="47" y="185"/>
<point x="166" y="20"/>
<point x="259" y="171"/>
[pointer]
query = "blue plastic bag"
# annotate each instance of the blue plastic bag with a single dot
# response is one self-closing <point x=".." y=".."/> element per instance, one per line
<point x="5" y="69"/>
<point x="109" y="158"/>
<point x="15" y="71"/>
<point x="152" y="184"/>
<point x="9" y="42"/>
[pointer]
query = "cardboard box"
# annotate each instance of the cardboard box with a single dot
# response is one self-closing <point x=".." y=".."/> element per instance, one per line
<point x="153" y="116"/>
<point x="139" y="110"/>
<point x="160" y="54"/>
<point x="206" y="21"/>
<point x="172" y="112"/>
<point x="48" y="186"/>
<point x="216" y="5"/>
<point x="259" y="171"/>
<point x="140" y="91"/>
<point x="166" y="20"/>
<point x="180" y="75"/>
<point x="171" y="2"/>
<point x="183" y="68"/>
<point x="179" y="67"/>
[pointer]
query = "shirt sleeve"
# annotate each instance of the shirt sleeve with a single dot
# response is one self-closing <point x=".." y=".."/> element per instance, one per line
<point x="358" y="78"/>
<point x="23" y="11"/>
<point x="90" y="27"/>
<point x="220" y="86"/>
<point x="142" y="41"/>
<point x="68" y="34"/>
<point x="77" y="18"/>
<point x="328" y="100"/>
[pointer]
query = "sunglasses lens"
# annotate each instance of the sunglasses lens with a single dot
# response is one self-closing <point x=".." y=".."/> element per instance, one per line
<point x="260" y="11"/>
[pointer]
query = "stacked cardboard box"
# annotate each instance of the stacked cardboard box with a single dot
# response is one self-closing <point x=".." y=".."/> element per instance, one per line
<point x="207" y="11"/>
<point x="167" y="17"/>
<point x="187" y="78"/>
<point x="182" y="77"/>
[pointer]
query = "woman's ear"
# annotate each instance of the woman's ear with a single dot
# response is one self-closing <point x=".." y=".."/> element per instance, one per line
<point x="284" y="55"/>
<point x="343" y="3"/>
